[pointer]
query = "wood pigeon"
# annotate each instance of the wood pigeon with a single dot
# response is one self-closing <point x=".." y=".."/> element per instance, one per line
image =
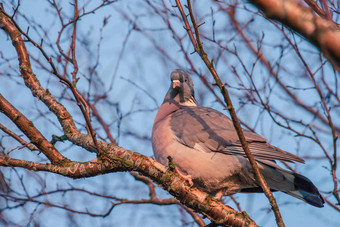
<point x="206" y="150"/>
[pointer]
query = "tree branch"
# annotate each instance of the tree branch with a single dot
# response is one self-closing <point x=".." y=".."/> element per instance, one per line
<point x="125" y="160"/>
<point x="18" y="138"/>
<point x="30" y="79"/>
<point x="117" y="159"/>
<point x="199" y="49"/>
<point x="27" y="127"/>
<point x="321" y="32"/>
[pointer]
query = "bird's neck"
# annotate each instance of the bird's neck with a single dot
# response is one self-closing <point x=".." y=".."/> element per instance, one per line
<point x="169" y="107"/>
<point x="165" y="109"/>
<point x="189" y="102"/>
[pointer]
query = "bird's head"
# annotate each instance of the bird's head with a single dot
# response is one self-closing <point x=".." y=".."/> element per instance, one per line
<point x="181" y="88"/>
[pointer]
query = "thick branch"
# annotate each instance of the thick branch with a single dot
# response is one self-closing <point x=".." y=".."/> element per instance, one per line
<point x="37" y="90"/>
<point x="266" y="63"/>
<point x="27" y="127"/>
<point x="18" y="138"/>
<point x="126" y="160"/>
<point x="323" y="33"/>
<point x="117" y="159"/>
<point x="30" y="79"/>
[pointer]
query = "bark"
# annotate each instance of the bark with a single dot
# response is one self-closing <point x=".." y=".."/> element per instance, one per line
<point x="116" y="159"/>
<point x="322" y="33"/>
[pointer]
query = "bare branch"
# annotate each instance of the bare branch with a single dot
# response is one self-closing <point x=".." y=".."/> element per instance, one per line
<point x="18" y="138"/>
<point x="27" y="127"/>
<point x="125" y="160"/>
<point x="199" y="49"/>
<point x="323" y="33"/>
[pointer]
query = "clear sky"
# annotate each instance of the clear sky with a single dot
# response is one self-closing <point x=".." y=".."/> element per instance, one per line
<point x="143" y="50"/>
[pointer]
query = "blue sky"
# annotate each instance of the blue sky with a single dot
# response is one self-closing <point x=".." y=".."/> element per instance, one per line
<point x="127" y="55"/>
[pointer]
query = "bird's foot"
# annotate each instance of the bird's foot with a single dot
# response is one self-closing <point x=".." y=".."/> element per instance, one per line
<point x="187" y="178"/>
<point x="172" y="167"/>
<point x="219" y="195"/>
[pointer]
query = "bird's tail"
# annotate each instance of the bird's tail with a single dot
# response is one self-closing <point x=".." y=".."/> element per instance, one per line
<point x="304" y="189"/>
<point x="293" y="184"/>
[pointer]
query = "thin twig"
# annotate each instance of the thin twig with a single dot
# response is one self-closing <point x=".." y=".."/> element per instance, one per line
<point x="199" y="49"/>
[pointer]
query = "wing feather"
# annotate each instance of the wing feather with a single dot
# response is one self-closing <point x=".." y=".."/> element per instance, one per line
<point x="208" y="130"/>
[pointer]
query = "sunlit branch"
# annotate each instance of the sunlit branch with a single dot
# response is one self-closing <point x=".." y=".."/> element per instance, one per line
<point x="199" y="49"/>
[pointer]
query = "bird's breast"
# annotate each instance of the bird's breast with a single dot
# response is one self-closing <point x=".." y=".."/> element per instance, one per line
<point x="210" y="171"/>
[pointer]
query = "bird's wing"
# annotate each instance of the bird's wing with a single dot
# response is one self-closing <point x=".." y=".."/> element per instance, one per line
<point x="208" y="130"/>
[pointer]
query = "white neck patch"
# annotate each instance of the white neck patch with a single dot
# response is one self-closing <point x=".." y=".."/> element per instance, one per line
<point x="189" y="102"/>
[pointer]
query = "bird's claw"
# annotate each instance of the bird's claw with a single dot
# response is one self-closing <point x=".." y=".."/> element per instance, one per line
<point x="187" y="178"/>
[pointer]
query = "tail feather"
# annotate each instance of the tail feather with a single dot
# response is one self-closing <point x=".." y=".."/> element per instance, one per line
<point x="306" y="191"/>
<point x="291" y="183"/>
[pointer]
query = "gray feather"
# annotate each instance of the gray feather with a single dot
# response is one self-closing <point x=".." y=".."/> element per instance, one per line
<point x="214" y="132"/>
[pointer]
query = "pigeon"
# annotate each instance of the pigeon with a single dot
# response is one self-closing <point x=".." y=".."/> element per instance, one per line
<point x="206" y="150"/>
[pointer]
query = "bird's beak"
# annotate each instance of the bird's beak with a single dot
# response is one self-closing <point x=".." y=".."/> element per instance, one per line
<point x="175" y="83"/>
